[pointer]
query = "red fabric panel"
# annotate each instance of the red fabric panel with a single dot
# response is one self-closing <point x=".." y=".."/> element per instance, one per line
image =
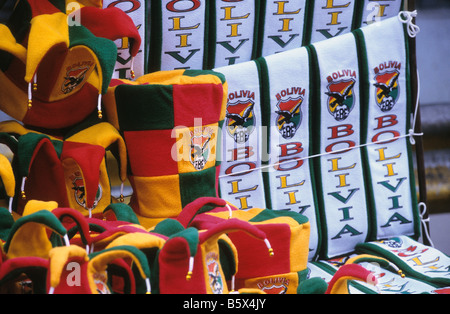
<point x="197" y="101"/>
<point x="254" y="258"/>
<point x="150" y="152"/>
<point x="64" y="113"/>
<point x="174" y="266"/>
<point x="89" y="159"/>
<point x="111" y="23"/>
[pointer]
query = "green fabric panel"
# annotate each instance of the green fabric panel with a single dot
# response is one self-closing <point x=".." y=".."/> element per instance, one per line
<point x="145" y="107"/>
<point x="194" y="185"/>
<point x="58" y="145"/>
<point x="227" y="259"/>
<point x="168" y="227"/>
<point x="256" y="28"/>
<point x="209" y="59"/>
<point x="6" y="223"/>
<point x="26" y="149"/>
<point x="104" y="49"/>
<point x="269" y="214"/>
<point x="191" y="237"/>
<point x="308" y="22"/>
<point x="123" y="212"/>
<point x="194" y="73"/>
<point x="311" y="286"/>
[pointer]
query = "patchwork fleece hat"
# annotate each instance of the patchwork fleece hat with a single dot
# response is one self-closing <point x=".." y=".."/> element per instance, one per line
<point x="40" y="175"/>
<point x="79" y="176"/>
<point x="62" y="67"/>
<point x="288" y="233"/>
<point x="171" y="125"/>
<point x="94" y="276"/>
<point x="192" y="261"/>
<point x="29" y="235"/>
<point x="103" y="134"/>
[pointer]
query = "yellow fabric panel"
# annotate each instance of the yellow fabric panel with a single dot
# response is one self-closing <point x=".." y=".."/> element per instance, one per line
<point x="7" y="176"/>
<point x="34" y="206"/>
<point x="31" y="240"/>
<point x="46" y="32"/>
<point x="8" y="43"/>
<point x="159" y="196"/>
<point x="139" y="240"/>
<point x="176" y="77"/>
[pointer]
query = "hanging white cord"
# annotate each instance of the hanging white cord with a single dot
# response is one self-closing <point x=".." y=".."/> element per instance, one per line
<point x="191" y="268"/>
<point x="99" y="106"/>
<point x="22" y="188"/>
<point x="30" y="95"/>
<point x="407" y="17"/>
<point x="66" y="240"/>
<point x="122" y="197"/>
<point x="10" y="204"/>
<point x="133" y="75"/>
<point x="422" y="212"/>
<point x="149" y="286"/>
<point x="230" y="211"/>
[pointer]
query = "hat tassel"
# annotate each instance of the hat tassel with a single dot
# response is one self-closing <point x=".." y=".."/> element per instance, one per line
<point x="31" y="87"/>
<point x="149" y="287"/>
<point x="22" y="188"/>
<point x="99" y="106"/>
<point x="398" y="270"/>
<point x="233" y="284"/>
<point x="191" y="268"/>
<point x="30" y="96"/>
<point x="66" y="240"/>
<point x="10" y="204"/>
<point x="230" y="212"/>
<point x="133" y="75"/>
<point x="121" y="199"/>
<point x="271" y="253"/>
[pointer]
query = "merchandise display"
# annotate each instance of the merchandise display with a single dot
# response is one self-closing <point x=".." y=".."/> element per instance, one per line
<point x="212" y="147"/>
